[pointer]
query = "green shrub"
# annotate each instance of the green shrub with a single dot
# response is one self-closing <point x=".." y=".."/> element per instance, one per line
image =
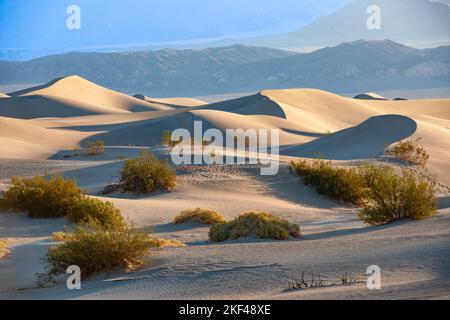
<point x="341" y="184"/>
<point x="42" y="196"/>
<point x="146" y="174"/>
<point x="199" y="215"/>
<point x="94" y="148"/>
<point x="95" y="250"/>
<point x="91" y="211"/>
<point x="409" y="151"/>
<point x="261" y="225"/>
<point x="394" y="197"/>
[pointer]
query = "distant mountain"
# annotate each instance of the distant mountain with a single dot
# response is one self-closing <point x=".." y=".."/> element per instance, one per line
<point x="412" y="22"/>
<point x="164" y="70"/>
<point x="359" y="66"/>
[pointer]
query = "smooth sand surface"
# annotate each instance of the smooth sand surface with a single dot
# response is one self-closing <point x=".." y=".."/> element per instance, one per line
<point x="39" y="137"/>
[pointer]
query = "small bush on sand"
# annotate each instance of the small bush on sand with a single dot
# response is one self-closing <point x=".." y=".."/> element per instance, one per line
<point x="146" y="174"/>
<point x="394" y="197"/>
<point x="97" y="213"/>
<point x="341" y="184"/>
<point x="199" y="215"/>
<point x="94" y="148"/>
<point x="410" y="152"/>
<point x="95" y="250"/>
<point x="42" y="196"/>
<point x="261" y="225"/>
<point x="3" y="248"/>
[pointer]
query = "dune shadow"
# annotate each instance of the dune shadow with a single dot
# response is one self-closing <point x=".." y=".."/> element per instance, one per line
<point x="444" y="202"/>
<point x="172" y="227"/>
<point x="349" y="232"/>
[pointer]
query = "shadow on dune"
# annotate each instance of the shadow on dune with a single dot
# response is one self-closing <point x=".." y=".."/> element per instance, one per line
<point x="444" y="202"/>
<point x="365" y="141"/>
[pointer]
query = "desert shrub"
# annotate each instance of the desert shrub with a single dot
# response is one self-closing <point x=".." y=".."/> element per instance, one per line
<point x="3" y="248"/>
<point x="42" y="196"/>
<point x="410" y="152"/>
<point x="199" y="215"/>
<point x="394" y="197"/>
<point x="94" y="212"/>
<point x="94" y="148"/>
<point x="164" y="243"/>
<point x="342" y="184"/>
<point x="146" y="174"/>
<point x="95" y="250"/>
<point x="261" y="225"/>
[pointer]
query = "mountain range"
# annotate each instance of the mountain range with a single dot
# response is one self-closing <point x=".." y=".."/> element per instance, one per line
<point x="349" y="67"/>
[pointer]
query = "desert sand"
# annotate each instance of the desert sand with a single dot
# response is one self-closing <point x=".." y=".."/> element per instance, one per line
<point x="40" y="127"/>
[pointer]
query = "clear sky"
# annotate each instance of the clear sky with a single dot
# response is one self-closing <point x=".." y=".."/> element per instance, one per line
<point x="42" y="23"/>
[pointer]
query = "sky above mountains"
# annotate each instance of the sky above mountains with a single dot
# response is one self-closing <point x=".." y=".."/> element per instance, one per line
<point x="41" y="24"/>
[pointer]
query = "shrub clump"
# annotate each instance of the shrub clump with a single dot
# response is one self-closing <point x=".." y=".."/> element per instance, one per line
<point x="383" y="195"/>
<point x="3" y="248"/>
<point x="341" y="184"/>
<point x="41" y="196"/>
<point x="147" y="174"/>
<point x="95" y="250"/>
<point x="94" y="148"/>
<point x="395" y="197"/>
<point x="261" y="225"/>
<point x="199" y="215"/>
<point x="97" y="213"/>
<point x="409" y="151"/>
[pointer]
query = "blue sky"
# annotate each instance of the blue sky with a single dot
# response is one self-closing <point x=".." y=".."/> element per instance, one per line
<point x="42" y="23"/>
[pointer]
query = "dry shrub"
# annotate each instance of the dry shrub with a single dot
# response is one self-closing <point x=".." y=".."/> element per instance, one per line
<point x="97" y="213"/>
<point x="409" y="151"/>
<point x="395" y="197"/>
<point x="261" y="225"/>
<point x="341" y="184"/>
<point x="147" y="174"/>
<point x="95" y="250"/>
<point x="42" y="196"/>
<point x="3" y="248"/>
<point x="199" y="215"/>
<point x="94" y="148"/>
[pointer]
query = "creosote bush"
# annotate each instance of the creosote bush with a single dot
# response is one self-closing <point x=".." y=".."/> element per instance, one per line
<point x="409" y="151"/>
<point x="261" y="225"/>
<point x="94" y="212"/>
<point x="147" y="174"/>
<point x="42" y="196"/>
<point x="95" y="250"/>
<point x="383" y="195"/>
<point x="94" y="148"/>
<point x="341" y="184"/>
<point x="394" y="197"/>
<point x="199" y="215"/>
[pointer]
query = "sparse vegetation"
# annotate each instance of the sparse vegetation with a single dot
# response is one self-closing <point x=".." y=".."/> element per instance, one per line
<point x="97" y="213"/>
<point x="95" y="250"/>
<point x="261" y="225"/>
<point x="394" y="197"/>
<point x="147" y="174"/>
<point x="384" y="195"/>
<point x="94" y="148"/>
<point x="410" y="152"/>
<point x="199" y="215"/>
<point x="3" y="248"/>
<point x="341" y="184"/>
<point x="42" y="196"/>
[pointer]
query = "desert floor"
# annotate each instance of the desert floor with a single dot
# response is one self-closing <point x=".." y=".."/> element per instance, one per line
<point x="39" y="128"/>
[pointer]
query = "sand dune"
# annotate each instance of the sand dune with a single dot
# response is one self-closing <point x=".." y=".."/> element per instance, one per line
<point x="369" y="96"/>
<point x="365" y="141"/>
<point x="172" y="102"/>
<point x="2" y="95"/>
<point x="71" y="111"/>
<point x="20" y="139"/>
<point x="71" y="96"/>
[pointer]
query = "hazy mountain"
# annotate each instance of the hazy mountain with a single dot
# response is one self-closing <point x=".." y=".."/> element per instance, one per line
<point x="413" y="22"/>
<point x="349" y="67"/>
